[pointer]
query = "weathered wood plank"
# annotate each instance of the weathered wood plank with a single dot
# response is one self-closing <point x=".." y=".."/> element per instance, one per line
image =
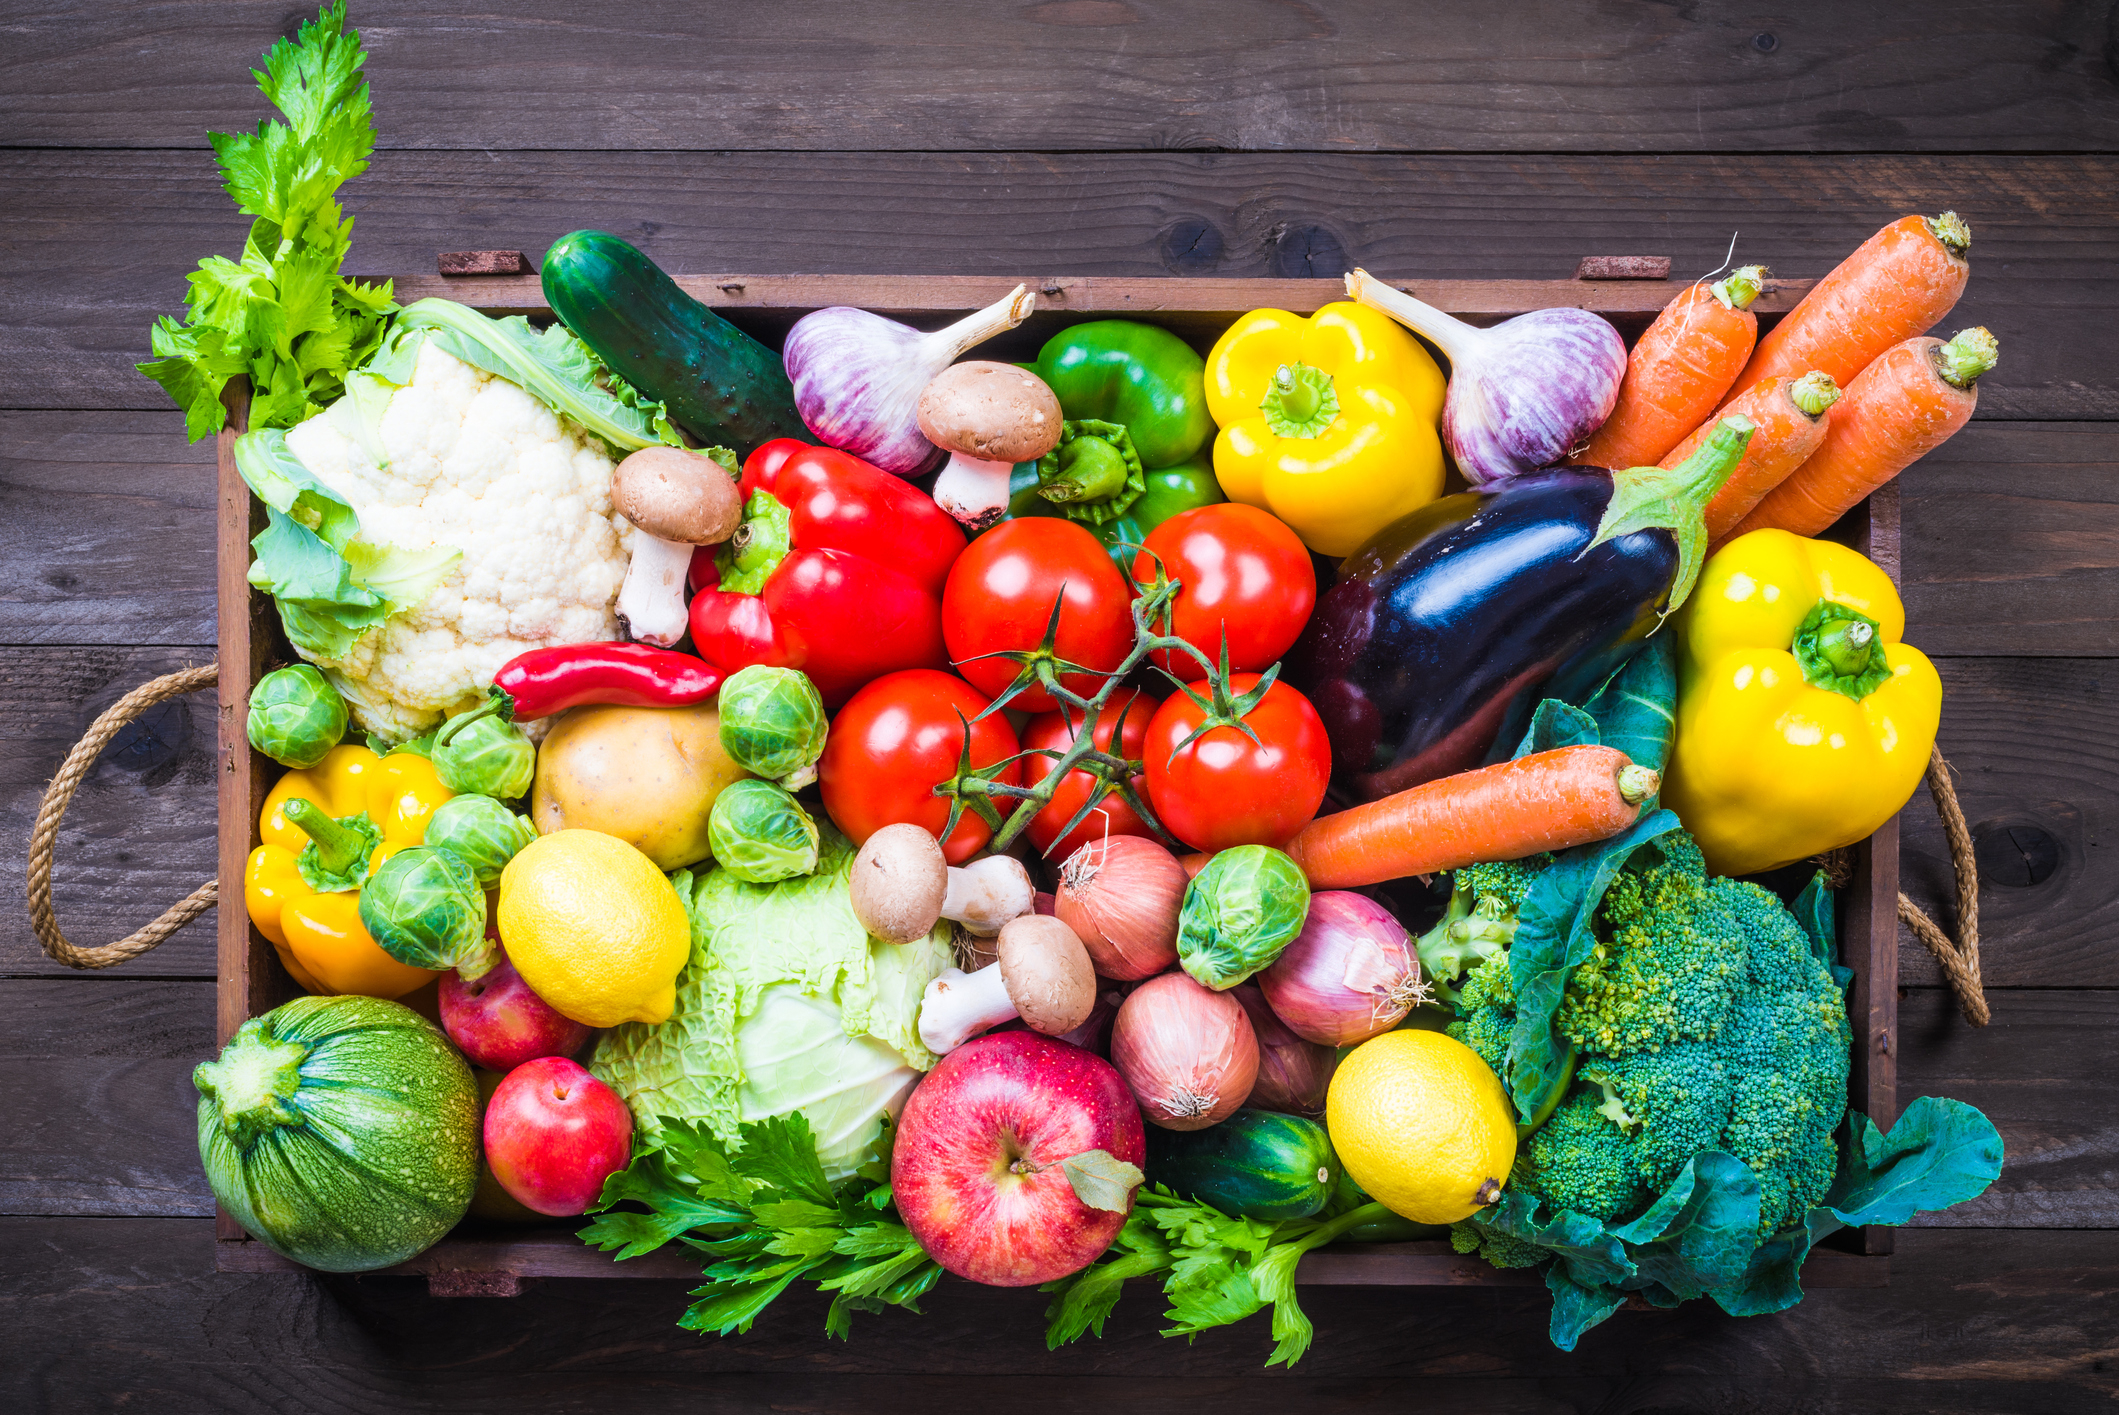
<point x="2046" y="231"/>
<point x="140" y="833"/>
<point x="1335" y="76"/>
<point x="1973" y="1322"/>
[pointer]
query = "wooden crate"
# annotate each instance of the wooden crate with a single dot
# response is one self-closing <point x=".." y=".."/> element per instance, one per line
<point x="491" y="1260"/>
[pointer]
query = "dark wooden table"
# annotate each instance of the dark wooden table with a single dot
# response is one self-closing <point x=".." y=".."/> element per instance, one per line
<point x="1071" y="137"/>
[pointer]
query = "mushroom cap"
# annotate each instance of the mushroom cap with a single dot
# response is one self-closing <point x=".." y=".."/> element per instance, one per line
<point x="676" y="495"/>
<point x="1047" y="973"/>
<point x="899" y="879"/>
<point x="995" y="412"/>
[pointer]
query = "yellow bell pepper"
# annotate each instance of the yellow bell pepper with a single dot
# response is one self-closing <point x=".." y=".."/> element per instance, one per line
<point x="1328" y="422"/>
<point x="318" y="932"/>
<point x="1804" y="722"/>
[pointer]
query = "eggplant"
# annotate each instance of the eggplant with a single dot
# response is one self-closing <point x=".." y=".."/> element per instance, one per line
<point x="1439" y="636"/>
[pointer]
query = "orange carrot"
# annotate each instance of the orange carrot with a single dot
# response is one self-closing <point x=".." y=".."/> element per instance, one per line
<point x="1678" y="371"/>
<point x="1545" y="801"/>
<point x="1791" y="422"/>
<point x="1898" y="410"/>
<point x="1901" y="282"/>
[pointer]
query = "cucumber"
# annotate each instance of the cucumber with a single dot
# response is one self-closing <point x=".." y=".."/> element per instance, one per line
<point x="719" y="384"/>
<point x="1256" y="1164"/>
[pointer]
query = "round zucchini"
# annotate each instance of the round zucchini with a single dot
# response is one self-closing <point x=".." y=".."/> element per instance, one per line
<point x="719" y="384"/>
<point x="1256" y="1164"/>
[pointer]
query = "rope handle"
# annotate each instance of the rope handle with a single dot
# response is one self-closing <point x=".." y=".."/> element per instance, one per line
<point x="1959" y="958"/>
<point x="60" y="794"/>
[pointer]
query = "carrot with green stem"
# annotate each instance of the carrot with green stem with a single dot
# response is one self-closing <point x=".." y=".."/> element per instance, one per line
<point x="1899" y="409"/>
<point x="1791" y="423"/>
<point x="1681" y="368"/>
<point x="1896" y="286"/>
<point x="1546" y="801"/>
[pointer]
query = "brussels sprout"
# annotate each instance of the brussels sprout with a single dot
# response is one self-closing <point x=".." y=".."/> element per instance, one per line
<point x="481" y="832"/>
<point x="483" y="753"/>
<point x="772" y="723"/>
<point x="1239" y="913"/>
<point x="424" y="908"/>
<point x="760" y="834"/>
<point x="296" y="716"/>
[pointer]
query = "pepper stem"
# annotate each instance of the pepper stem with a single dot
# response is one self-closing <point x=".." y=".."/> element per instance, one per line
<point x="338" y="846"/>
<point x="1847" y="645"/>
<point x="454" y="727"/>
<point x="1814" y="392"/>
<point x="748" y="558"/>
<point x="1966" y="357"/>
<point x="1840" y="650"/>
<point x="1093" y="473"/>
<point x="1740" y="287"/>
<point x="1301" y="403"/>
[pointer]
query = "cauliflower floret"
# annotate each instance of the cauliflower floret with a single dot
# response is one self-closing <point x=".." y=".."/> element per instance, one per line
<point x="475" y="463"/>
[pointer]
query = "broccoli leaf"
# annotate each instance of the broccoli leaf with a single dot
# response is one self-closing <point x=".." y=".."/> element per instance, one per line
<point x="1941" y="1152"/>
<point x="1815" y="910"/>
<point x="1636" y="709"/>
<point x="1576" y="1307"/>
<point x="1700" y="1232"/>
<point x="1556" y="724"/>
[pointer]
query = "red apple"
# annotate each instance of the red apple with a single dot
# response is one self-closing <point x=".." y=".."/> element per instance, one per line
<point x="489" y="1201"/>
<point x="554" y="1133"/>
<point x="976" y="1169"/>
<point x="500" y="1023"/>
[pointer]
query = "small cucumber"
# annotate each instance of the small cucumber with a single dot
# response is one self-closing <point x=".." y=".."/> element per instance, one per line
<point x="1256" y="1164"/>
<point x="719" y="384"/>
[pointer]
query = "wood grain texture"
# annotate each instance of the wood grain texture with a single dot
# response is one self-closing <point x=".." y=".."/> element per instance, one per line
<point x="2046" y="231"/>
<point x="1332" y="75"/>
<point x="127" y="1311"/>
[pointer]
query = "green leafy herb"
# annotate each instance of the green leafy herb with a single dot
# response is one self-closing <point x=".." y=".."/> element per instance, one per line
<point x="282" y="313"/>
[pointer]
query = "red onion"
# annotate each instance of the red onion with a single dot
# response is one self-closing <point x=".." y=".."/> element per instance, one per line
<point x="1188" y="1053"/>
<point x="1350" y="974"/>
<point x="858" y="376"/>
<point x="1123" y="894"/>
<point x="1522" y="395"/>
<point x="1293" y="1074"/>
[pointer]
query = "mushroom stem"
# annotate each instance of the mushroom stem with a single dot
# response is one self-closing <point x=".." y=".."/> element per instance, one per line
<point x="987" y="893"/>
<point x="973" y="490"/>
<point x="957" y="1006"/>
<point x="651" y="605"/>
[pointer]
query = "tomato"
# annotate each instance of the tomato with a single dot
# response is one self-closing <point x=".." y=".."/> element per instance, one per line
<point x="1243" y="571"/>
<point x="999" y="599"/>
<point x="1054" y="732"/>
<point x="1224" y="789"/>
<point x="894" y="741"/>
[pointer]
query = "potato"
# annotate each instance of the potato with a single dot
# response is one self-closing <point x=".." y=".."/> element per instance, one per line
<point x="646" y="775"/>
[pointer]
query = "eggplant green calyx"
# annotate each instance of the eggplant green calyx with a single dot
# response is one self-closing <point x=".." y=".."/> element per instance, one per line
<point x="1093" y="474"/>
<point x="1840" y="650"/>
<point x="749" y="557"/>
<point x="1740" y="287"/>
<point x="252" y="1083"/>
<point x="336" y="858"/>
<point x="1815" y="392"/>
<point x="1301" y="403"/>
<point x="1971" y="353"/>
<point x="1953" y="231"/>
<point x="1651" y="498"/>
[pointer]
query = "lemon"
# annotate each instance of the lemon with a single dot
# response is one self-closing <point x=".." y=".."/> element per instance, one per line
<point x="594" y="928"/>
<point x="1422" y="1124"/>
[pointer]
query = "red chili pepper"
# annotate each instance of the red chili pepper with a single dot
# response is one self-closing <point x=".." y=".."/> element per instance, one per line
<point x="544" y="681"/>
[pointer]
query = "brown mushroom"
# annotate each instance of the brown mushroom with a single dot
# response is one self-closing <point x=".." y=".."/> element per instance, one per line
<point x="1044" y="976"/>
<point x="677" y="500"/>
<point x="902" y="886"/>
<point x="988" y="417"/>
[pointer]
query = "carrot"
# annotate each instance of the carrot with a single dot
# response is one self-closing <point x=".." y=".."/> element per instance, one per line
<point x="1899" y="284"/>
<point x="1678" y="371"/>
<point x="1898" y="410"/>
<point x="1545" y="801"/>
<point x="1791" y="422"/>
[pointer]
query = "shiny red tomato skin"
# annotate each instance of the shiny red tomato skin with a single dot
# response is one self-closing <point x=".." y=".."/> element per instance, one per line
<point x="894" y="740"/>
<point x="999" y="598"/>
<point x="1224" y="789"/>
<point x="1243" y="571"/>
<point x="1051" y="730"/>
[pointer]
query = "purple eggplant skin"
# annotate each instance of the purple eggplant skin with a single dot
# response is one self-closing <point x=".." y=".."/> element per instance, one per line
<point x="1440" y="636"/>
<point x="1537" y="389"/>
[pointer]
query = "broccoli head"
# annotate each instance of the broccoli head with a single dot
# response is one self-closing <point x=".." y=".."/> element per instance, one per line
<point x="1702" y="1021"/>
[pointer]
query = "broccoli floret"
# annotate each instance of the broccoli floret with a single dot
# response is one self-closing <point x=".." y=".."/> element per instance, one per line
<point x="1497" y="1248"/>
<point x="1580" y="1160"/>
<point x="1479" y="922"/>
<point x="1487" y="1004"/>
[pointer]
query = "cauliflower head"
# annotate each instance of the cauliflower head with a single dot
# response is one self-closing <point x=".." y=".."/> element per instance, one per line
<point x="461" y="458"/>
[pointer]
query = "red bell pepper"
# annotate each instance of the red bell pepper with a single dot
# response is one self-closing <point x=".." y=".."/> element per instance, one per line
<point x="837" y="570"/>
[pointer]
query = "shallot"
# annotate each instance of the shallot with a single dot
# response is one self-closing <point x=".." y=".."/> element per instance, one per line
<point x="1122" y="894"/>
<point x="1524" y="394"/>
<point x="1188" y="1054"/>
<point x="1293" y="1073"/>
<point x="1350" y="974"/>
<point x="858" y="376"/>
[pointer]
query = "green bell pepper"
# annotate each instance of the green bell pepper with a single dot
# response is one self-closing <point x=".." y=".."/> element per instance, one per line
<point x="1135" y="449"/>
